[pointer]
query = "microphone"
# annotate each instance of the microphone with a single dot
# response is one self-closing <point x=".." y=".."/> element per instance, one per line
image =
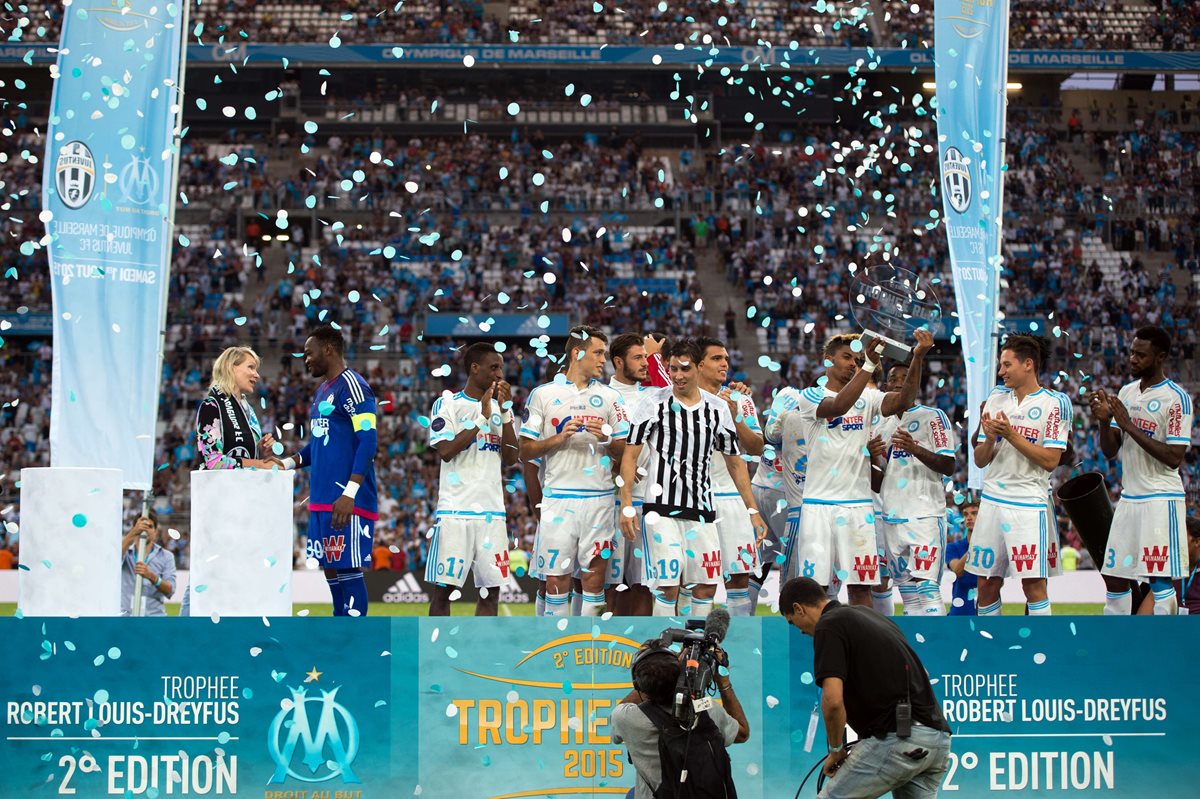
<point x="717" y="624"/>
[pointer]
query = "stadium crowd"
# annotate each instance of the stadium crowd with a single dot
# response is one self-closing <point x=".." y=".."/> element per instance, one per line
<point x="1072" y="24"/>
<point x="1068" y="25"/>
<point x="775" y="222"/>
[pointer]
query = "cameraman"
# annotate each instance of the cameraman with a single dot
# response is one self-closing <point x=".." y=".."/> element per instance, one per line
<point x="871" y="679"/>
<point x="655" y="673"/>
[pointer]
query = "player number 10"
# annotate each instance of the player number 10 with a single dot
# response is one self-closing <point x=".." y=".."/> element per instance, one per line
<point x="983" y="557"/>
<point x="589" y="763"/>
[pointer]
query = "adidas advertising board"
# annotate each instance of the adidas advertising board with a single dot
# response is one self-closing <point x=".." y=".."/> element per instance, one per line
<point x="408" y="588"/>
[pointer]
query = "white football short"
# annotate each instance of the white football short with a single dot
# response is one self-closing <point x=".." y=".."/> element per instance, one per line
<point x="625" y="564"/>
<point x="739" y="544"/>
<point x="461" y="544"/>
<point x="574" y="532"/>
<point x="773" y="506"/>
<point x="679" y="552"/>
<point x="916" y="549"/>
<point x="836" y="541"/>
<point x="1011" y="539"/>
<point x="1147" y="539"/>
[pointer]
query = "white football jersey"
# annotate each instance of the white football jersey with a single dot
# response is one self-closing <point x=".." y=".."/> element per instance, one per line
<point x="883" y="429"/>
<point x="1043" y="418"/>
<point x="793" y="457"/>
<point x="770" y="471"/>
<point x="582" y="466"/>
<point x="1163" y="412"/>
<point x="911" y="490"/>
<point x="471" y="483"/>
<point x="722" y="480"/>
<point x="632" y="393"/>
<point x="839" y="466"/>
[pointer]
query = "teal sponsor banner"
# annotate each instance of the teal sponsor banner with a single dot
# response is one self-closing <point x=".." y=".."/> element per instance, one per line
<point x="1049" y="706"/>
<point x="521" y="707"/>
<point x="464" y="708"/>
<point x="296" y="708"/>
<point x="557" y="325"/>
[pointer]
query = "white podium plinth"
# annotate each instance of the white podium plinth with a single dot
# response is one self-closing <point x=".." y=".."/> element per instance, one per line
<point x="242" y="537"/>
<point x="71" y="542"/>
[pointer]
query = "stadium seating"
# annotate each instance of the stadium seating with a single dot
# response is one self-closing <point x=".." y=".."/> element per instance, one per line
<point x="1100" y="238"/>
<point x="1072" y="24"/>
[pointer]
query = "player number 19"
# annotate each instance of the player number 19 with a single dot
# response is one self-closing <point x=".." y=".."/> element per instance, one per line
<point x="673" y="569"/>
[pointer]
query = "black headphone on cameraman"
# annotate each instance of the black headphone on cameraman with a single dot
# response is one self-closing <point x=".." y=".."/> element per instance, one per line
<point x="656" y="648"/>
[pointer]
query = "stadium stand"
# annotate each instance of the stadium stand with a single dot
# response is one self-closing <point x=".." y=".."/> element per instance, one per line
<point x="1071" y="24"/>
<point x="415" y="215"/>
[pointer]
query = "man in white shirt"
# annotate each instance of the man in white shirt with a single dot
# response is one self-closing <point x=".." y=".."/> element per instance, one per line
<point x="778" y="488"/>
<point x="473" y="433"/>
<point x="631" y="368"/>
<point x="836" y="536"/>
<point x="733" y="498"/>
<point x="577" y="425"/>
<point x="919" y="456"/>
<point x="1147" y="425"/>
<point x="882" y="596"/>
<point x="1022" y="436"/>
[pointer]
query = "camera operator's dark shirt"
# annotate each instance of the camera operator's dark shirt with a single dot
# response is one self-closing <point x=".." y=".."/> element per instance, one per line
<point x="869" y="653"/>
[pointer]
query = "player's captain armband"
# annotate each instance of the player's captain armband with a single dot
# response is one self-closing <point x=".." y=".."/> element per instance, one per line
<point x="363" y="421"/>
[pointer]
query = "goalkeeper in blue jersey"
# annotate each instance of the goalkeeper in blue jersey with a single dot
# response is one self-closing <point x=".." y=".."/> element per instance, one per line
<point x="340" y="454"/>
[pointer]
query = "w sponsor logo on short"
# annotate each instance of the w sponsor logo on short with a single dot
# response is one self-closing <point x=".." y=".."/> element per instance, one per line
<point x="925" y="557"/>
<point x="1155" y="559"/>
<point x="866" y="566"/>
<point x="711" y="561"/>
<point x="334" y="546"/>
<point x="1024" y="557"/>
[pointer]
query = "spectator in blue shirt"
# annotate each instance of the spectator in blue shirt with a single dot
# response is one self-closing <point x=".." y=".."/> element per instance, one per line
<point x="157" y="570"/>
<point x="965" y="583"/>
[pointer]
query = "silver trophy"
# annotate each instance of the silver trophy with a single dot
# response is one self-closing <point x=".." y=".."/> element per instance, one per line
<point x="889" y="303"/>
